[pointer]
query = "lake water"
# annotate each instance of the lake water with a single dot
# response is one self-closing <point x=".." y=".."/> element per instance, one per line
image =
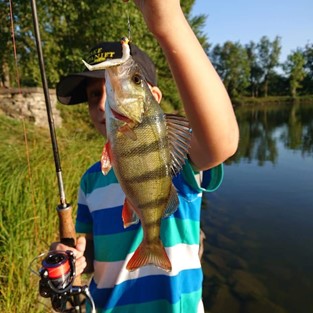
<point x="259" y="224"/>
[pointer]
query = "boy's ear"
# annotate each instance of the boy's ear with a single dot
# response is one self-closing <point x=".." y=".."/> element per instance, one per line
<point x="157" y="93"/>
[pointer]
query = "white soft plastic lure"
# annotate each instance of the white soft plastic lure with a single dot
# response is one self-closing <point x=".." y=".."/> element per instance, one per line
<point x="112" y="62"/>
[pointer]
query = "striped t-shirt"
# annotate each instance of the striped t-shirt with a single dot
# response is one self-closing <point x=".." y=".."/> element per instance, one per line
<point x="147" y="289"/>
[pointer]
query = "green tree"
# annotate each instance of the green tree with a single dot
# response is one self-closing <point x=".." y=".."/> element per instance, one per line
<point x="268" y="58"/>
<point x="255" y="69"/>
<point x="279" y="85"/>
<point x="27" y="71"/>
<point x="294" y="68"/>
<point x="232" y="64"/>
<point x="5" y="35"/>
<point x="308" y="53"/>
<point x="308" y="80"/>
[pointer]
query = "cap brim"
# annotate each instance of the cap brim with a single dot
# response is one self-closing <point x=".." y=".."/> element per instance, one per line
<point x="72" y="88"/>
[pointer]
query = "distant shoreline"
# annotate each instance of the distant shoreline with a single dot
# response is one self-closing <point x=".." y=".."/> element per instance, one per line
<point x="251" y="101"/>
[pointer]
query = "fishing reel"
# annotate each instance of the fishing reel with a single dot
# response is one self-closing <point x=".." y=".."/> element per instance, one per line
<point x="57" y="275"/>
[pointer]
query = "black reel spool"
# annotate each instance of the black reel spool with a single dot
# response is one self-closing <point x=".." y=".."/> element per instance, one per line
<point x="57" y="275"/>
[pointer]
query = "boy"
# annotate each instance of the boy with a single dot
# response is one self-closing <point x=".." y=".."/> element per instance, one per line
<point x="214" y="139"/>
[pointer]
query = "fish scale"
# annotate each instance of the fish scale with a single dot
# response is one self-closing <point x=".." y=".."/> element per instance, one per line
<point x="155" y="180"/>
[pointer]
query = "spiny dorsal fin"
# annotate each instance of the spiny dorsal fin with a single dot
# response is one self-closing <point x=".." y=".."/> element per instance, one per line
<point x="179" y="135"/>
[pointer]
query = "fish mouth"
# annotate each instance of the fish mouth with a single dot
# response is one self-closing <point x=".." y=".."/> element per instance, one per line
<point x="120" y="117"/>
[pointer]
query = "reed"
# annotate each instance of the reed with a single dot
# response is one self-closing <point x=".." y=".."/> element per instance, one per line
<point x="29" y="197"/>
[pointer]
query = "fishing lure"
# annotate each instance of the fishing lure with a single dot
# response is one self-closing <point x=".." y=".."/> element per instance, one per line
<point x="112" y="62"/>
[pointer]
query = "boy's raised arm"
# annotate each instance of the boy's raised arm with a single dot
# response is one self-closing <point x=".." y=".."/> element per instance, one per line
<point x="205" y="99"/>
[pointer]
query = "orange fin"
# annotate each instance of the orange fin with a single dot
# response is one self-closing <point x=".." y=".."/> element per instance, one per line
<point x="129" y="215"/>
<point x="172" y="203"/>
<point x="106" y="159"/>
<point x="150" y="254"/>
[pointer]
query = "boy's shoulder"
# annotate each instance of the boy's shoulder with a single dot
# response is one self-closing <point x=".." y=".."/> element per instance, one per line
<point x="94" y="168"/>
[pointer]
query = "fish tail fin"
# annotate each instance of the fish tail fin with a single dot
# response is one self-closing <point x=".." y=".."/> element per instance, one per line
<point x="150" y="254"/>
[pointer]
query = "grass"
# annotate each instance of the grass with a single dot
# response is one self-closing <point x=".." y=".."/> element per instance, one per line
<point x="29" y="197"/>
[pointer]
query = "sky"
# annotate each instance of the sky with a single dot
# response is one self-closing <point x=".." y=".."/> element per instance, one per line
<point x="248" y="20"/>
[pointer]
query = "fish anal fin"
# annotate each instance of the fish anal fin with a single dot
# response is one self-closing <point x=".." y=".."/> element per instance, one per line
<point x="129" y="215"/>
<point x="179" y="135"/>
<point x="172" y="203"/>
<point x="106" y="158"/>
<point x="150" y="254"/>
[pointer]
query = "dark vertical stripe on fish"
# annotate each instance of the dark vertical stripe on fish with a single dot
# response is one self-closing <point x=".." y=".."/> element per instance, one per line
<point x="158" y="173"/>
<point x="145" y="148"/>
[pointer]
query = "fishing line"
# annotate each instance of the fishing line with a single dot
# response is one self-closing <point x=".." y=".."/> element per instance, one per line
<point x="14" y="46"/>
<point x="128" y="21"/>
<point x="57" y="274"/>
<point x="23" y="121"/>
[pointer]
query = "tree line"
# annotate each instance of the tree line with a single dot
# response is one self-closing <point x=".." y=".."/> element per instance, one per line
<point x="254" y="69"/>
<point x="70" y="28"/>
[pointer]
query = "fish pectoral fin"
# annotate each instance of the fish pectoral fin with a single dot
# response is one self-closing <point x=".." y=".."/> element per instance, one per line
<point x="106" y="159"/>
<point x="179" y="134"/>
<point x="150" y="254"/>
<point x="172" y="203"/>
<point x="128" y="132"/>
<point x="129" y="215"/>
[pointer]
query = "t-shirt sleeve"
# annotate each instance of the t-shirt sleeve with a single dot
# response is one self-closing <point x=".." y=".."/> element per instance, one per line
<point x="211" y="179"/>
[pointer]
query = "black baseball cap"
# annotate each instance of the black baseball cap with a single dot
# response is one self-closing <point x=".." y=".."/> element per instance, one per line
<point x="72" y="88"/>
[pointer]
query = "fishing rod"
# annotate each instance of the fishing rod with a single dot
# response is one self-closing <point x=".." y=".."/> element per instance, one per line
<point x="58" y="278"/>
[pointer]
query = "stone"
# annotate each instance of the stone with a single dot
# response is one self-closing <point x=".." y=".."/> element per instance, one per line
<point x="262" y="306"/>
<point x="246" y="286"/>
<point x="225" y="302"/>
<point x="29" y="103"/>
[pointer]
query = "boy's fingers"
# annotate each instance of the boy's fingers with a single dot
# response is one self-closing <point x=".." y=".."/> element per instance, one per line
<point x="78" y="250"/>
<point x="81" y="244"/>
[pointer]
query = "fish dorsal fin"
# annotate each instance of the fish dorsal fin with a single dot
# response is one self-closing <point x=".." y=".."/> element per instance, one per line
<point x="179" y="134"/>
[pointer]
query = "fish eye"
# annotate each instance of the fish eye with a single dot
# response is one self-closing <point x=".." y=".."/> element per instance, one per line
<point x="137" y="79"/>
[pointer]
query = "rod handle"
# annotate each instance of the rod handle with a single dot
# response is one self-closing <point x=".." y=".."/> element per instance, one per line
<point x="67" y="231"/>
